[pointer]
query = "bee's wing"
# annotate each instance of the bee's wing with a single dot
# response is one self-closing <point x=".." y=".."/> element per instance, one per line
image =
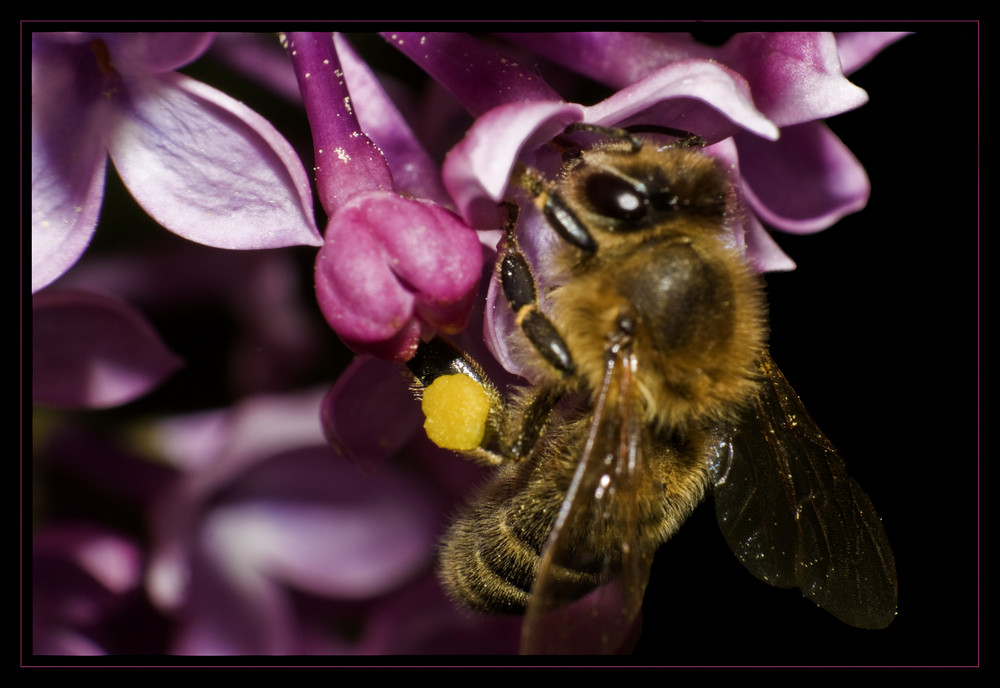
<point x="599" y="508"/>
<point x="795" y="518"/>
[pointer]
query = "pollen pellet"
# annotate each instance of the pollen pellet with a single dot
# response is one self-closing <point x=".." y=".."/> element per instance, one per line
<point x="456" y="407"/>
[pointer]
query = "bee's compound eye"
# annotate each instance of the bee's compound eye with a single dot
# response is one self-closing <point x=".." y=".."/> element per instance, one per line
<point x="617" y="198"/>
<point x="456" y="408"/>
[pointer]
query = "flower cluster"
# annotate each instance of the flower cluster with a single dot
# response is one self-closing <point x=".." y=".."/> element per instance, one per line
<point x="239" y="527"/>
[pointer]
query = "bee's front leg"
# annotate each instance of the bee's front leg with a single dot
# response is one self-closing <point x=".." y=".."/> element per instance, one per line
<point x="519" y="287"/>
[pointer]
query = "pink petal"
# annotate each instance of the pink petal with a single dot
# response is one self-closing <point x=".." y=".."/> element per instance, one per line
<point x="356" y="287"/>
<point x="857" y="48"/>
<point x="478" y="168"/>
<point x="92" y="351"/>
<point x="795" y="77"/>
<point x="693" y="95"/>
<point x="390" y="263"/>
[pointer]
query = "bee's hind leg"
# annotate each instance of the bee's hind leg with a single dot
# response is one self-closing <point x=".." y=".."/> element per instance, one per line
<point x="464" y="411"/>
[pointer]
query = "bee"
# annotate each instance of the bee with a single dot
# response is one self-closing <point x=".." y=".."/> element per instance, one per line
<point x="652" y="389"/>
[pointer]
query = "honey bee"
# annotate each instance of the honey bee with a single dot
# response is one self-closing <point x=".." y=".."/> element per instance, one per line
<point x="654" y="389"/>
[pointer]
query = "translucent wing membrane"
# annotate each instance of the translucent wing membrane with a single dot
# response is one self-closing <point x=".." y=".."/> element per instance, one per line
<point x="596" y="533"/>
<point x="795" y="518"/>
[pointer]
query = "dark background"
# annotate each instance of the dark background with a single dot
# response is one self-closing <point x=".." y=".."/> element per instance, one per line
<point x="878" y="331"/>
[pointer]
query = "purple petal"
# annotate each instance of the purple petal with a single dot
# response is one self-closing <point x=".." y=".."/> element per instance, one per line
<point x="346" y="160"/>
<point x="502" y="335"/>
<point x="210" y="169"/>
<point x="478" y="168"/>
<point x="613" y="58"/>
<point x="501" y="332"/>
<point x="584" y="626"/>
<point x="81" y="576"/>
<point x="68" y="156"/>
<point x="304" y="521"/>
<point x="214" y="449"/>
<point x="354" y="412"/>
<point x="47" y="640"/>
<point x="231" y="609"/>
<point x="413" y="170"/>
<point x="91" y="351"/>
<point x="763" y="252"/>
<point x="795" y="77"/>
<point x="431" y="251"/>
<point x="155" y="53"/>
<point x="693" y="95"/>
<point x="262" y="59"/>
<point x="805" y="181"/>
<point x="255" y="430"/>
<point x="105" y="463"/>
<point x="480" y="77"/>
<point x="108" y="559"/>
<point x="857" y="48"/>
<point x="388" y="260"/>
<point x="377" y="531"/>
<point x="422" y="620"/>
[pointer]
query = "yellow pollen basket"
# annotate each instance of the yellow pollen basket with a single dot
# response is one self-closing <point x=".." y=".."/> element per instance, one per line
<point x="456" y="408"/>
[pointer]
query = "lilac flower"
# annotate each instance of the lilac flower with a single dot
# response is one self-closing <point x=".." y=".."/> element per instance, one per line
<point x="200" y="163"/>
<point x="391" y="265"/>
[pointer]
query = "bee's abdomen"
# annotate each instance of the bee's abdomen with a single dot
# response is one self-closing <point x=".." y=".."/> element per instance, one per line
<point x="485" y="566"/>
<point x="491" y="554"/>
